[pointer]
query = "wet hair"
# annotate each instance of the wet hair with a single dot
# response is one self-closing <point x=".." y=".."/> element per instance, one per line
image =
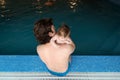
<point x="41" y="30"/>
<point x="63" y="30"/>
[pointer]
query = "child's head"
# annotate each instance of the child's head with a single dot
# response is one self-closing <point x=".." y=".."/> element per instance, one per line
<point x="63" y="31"/>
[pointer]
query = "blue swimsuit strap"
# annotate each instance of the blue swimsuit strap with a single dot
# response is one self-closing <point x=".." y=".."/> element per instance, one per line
<point x="60" y="73"/>
<point x="57" y="73"/>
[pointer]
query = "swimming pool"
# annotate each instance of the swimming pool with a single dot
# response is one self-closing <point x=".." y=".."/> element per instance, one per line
<point x="95" y="25"/>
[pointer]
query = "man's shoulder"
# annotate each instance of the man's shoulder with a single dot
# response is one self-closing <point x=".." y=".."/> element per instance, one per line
<point x="39" y="48"/>
<point x="67" y="47"/>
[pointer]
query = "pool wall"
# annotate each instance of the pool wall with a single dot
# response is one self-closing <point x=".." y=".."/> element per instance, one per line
<point x="19" y="67"/>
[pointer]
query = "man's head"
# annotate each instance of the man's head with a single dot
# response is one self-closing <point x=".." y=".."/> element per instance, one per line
<point x="44" y="30"/>
<point x="63" y="31"/>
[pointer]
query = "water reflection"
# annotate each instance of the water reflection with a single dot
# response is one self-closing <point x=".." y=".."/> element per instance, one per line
<point x="2" y="7"/>
<point x="73" y="4"/>
<point x="4" y="12"/>
<point x="38" y="6"/>
<point x="49" y="2"/>
<point x="2" y="3"/>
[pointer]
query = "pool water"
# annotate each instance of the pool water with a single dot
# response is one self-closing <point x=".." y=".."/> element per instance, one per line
<point x="95" y="25"/>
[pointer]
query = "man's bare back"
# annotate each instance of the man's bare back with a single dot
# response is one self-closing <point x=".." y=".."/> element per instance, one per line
<point x="55" y="58"/>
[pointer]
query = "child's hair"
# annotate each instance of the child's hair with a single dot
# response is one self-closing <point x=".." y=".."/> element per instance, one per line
<point x="63" y="30"/>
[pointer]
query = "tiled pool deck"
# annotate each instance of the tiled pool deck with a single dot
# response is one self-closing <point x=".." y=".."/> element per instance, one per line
<point x="30" y="67"/>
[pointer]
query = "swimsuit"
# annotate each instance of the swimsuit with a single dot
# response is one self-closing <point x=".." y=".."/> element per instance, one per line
<point x="59" y="73"/>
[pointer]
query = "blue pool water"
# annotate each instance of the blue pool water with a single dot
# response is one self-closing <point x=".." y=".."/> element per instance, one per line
<point x="95" y="25"/>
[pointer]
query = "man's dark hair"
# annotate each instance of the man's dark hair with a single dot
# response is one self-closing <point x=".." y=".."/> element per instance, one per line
<point x="41" y="30"/>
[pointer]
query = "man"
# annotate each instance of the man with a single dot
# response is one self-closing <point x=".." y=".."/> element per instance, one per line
<point x="55" y="58"/>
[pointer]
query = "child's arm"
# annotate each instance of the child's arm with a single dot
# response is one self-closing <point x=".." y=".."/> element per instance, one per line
<point x="56" y="41"/>
<point x="53" y="41"/>
<point x="68" y="40"/>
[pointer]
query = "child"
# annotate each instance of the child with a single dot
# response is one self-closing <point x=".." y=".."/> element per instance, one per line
<point x="62" y="35"/>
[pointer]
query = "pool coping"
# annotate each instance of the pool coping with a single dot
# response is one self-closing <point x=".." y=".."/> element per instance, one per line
<point x="70" y="76"/>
